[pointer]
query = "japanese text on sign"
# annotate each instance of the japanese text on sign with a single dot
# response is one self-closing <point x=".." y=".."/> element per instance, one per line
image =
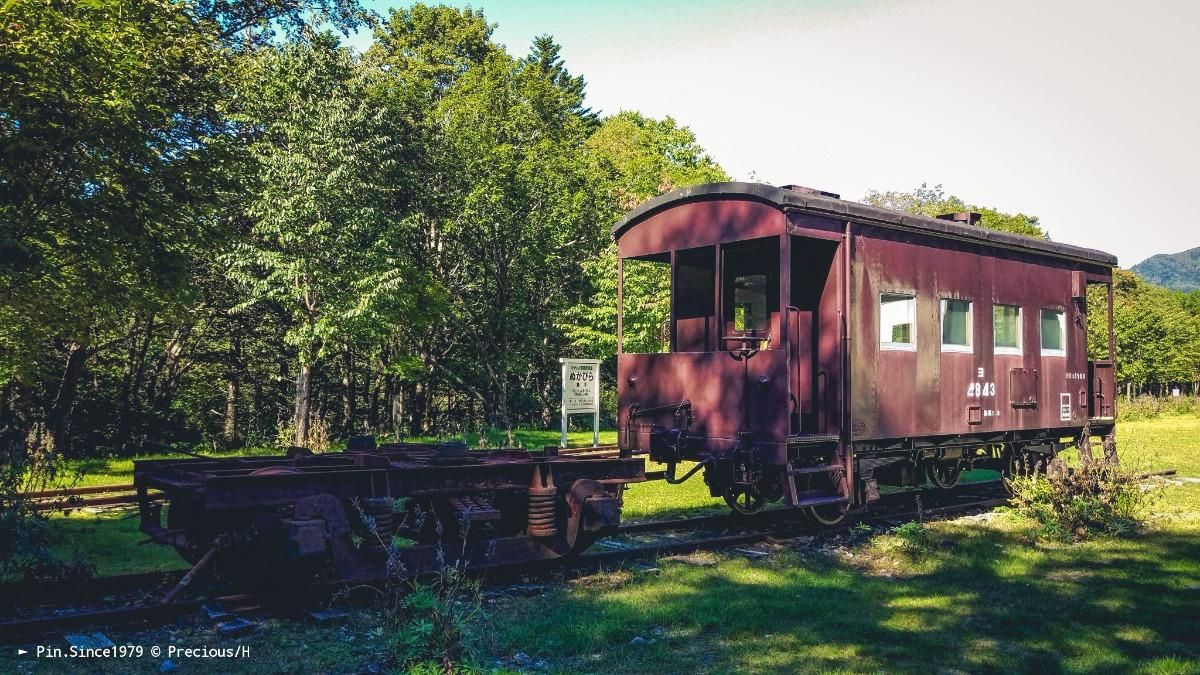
<point x="580" y="387"/>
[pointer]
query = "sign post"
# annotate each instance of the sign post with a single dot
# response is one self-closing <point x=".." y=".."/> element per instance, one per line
<point x="581" y="393"/>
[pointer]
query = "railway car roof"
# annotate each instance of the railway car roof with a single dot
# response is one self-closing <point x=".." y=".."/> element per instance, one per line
<point x="783" y="198"/>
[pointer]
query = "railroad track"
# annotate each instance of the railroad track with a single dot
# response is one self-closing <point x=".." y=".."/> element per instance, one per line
<point x="724" y="531"/>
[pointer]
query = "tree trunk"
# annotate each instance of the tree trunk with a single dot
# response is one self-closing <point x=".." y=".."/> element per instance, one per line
<point x="398" y="410"/>
<point x="281" y="391"/>
<point x="347" y="391"/>
<point x="417" y="408"/>
<point x="131" y="407"/>
<point x="10" y="431"/>
<point x="59" y="415"/>
<point x="230" y="427"/>
<point x="303" y="402"/>
<point x="124" y="402"/>
<point x="233" y="390"/>
<point x="374" y="391"/>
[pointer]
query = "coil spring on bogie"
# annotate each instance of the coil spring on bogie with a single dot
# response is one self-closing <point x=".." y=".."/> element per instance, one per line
<point x="380" y="510"/>
<point x="542" y="498"/>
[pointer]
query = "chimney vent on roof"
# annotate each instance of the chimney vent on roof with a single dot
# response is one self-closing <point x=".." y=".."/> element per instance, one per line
<point x="968" y="217"/>
<point x="811" y="191"/>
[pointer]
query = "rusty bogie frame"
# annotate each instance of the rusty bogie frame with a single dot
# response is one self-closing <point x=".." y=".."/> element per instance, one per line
<point x="371" y="512"/>
<point x="817" y="348"/>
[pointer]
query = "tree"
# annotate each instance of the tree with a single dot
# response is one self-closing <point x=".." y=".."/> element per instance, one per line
<point x="111" y="155"/>
<point x="522" y="203"/>
<point x="257" y="23"/>
<point x="324" y="243"/>
<point x="644" y="157"/>
<point x="639" y="157"/>
<point x="545" y="59"/>
<point x="933" y="202"/>
<point x="432" y="45"/>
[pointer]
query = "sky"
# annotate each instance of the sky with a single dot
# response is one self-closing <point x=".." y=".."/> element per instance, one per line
<point x="1085" y="114"/>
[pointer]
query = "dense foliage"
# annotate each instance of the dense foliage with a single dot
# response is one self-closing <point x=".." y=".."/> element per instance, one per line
<point x="1157" y="332"/>
<point x="218" y="224"/>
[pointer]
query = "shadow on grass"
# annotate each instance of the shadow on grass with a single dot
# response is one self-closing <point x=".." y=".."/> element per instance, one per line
<point x="987" y="602"/>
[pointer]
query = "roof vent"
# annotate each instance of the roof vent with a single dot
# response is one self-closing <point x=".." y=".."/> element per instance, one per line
<point x="811" y="191"/>
<point x="968" y="217"/>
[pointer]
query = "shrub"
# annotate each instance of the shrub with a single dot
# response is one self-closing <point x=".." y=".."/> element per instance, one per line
<point x="1140" y="408"/>
<point x="1074" y="504"/>
<point x="1147" y="407"/>
<point x="913" y="537"/>
<point x="1184" y="405"/>
<point x="26" y="537"/>
<point x="319" y="440"/>
<point x="434" y="619"/>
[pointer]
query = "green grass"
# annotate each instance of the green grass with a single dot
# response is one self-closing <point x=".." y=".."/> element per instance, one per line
<point x="1169" y="442"/>
<point x="987" y="596"/>
<point x="109" y="539"/>
<point x="660" y="499"/>
<point x="987" y="600"/>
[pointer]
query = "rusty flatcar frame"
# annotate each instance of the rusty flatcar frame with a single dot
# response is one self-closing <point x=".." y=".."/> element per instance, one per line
<point x="827" y="408"/>
<point x="292" y="517"/>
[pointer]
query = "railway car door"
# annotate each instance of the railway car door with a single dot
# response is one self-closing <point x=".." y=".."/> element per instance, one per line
<point x="812" y="334"/>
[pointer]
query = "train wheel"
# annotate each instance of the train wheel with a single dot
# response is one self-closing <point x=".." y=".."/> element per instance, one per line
<point x="831" y="514"/>
<point x="1024" y="464"/>
<point x="744" y="500"/>
<point x="828" y="514"/>
<point x="944" y="474"/>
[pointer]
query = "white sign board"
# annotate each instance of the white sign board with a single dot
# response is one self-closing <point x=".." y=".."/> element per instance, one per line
<point x="581" y="393"/>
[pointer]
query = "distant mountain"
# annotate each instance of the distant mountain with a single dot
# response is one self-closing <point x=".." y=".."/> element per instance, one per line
<point x="1178" y="271"/>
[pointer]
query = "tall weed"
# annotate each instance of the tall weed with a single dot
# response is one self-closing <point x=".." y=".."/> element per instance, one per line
<point x="26" y="538"/>
<point x="1147" y="407"/>
<point x="427" y="621"/>
<point x="1078" y="503"/>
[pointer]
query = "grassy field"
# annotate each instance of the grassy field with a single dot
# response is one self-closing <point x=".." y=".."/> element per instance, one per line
<point x="983" y="596"/>
<point x="978" y="595"/>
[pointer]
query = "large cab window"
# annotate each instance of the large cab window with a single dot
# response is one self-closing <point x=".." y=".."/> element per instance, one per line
<point x="646" y="304"/>
<point x="751" y="287"/>
<point x="695" y="299"/>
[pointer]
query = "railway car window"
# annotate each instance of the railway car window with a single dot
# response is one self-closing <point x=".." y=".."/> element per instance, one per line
<point x="1007" y="329"/>
<point x="897" y="321"/>
<point x="750" y="280"/>
<point x="750" y="302"/>
<point x="646" y="305"/>
<point x="956" y="325"/>
<point x="695" y="316"/>
<point x="1054" y="332"/>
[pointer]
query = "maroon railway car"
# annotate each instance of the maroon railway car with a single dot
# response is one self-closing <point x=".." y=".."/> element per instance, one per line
<point x="817" y="348"/>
